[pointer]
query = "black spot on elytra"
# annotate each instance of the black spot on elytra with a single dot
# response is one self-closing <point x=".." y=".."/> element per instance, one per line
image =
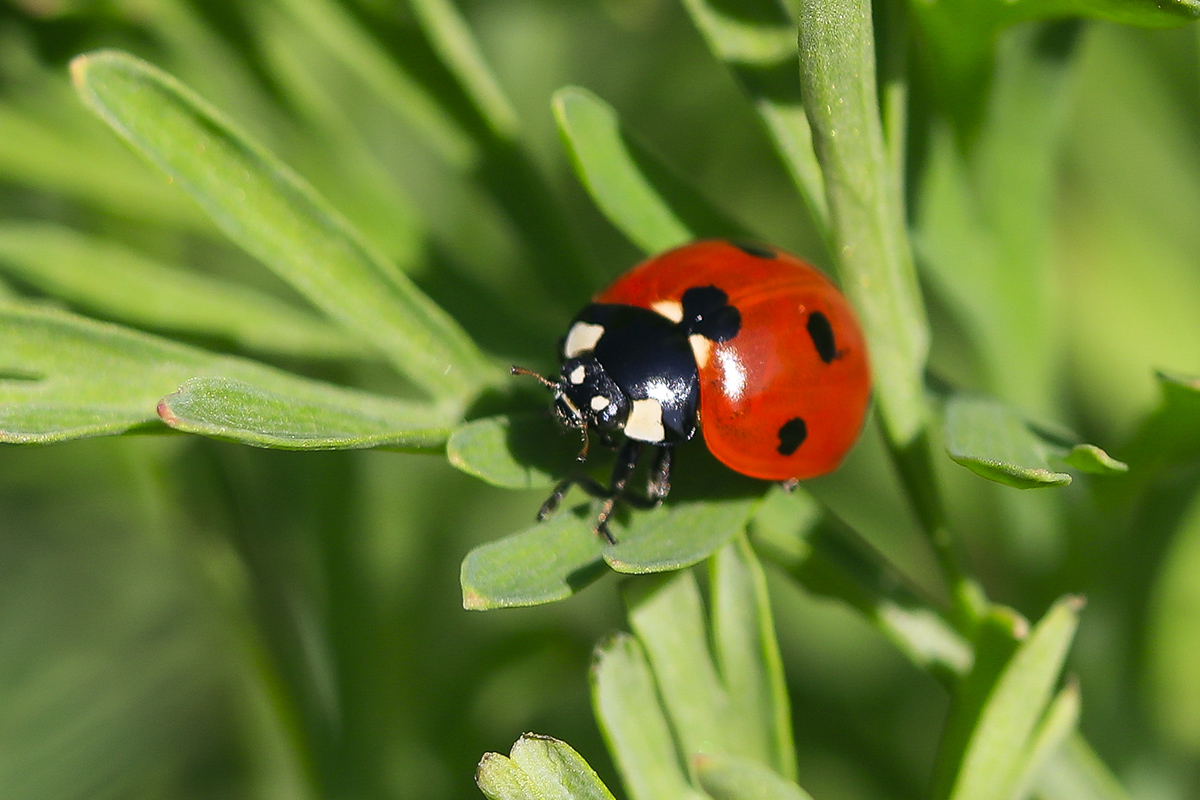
<point x="791" y="435"/>
<point x="706" y="311"/>
<point x="821" y="333"/>
<point x="756" y="250"/>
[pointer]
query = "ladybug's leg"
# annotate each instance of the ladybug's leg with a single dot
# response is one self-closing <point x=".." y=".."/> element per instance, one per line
<point x="623" y="467"/>
<point x="660" y="475"/>
<point x="594" y="488"/>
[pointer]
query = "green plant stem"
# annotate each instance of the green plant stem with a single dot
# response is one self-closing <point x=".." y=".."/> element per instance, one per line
<point x="914" y="464"/>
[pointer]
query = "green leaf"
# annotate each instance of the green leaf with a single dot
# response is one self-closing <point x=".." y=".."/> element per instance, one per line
<point x="450" y="36"/>
<point x="276" y="217"/>
<point x="999" y="746"/>
<point x="829" y="558"/>
<point x="1077" y="773"/>
<point x="1173" y="648"/>
<point x="42" y="155"/>
<point x="66" y="377"/>
<point x="747" y="654"/>
<point x="643" y="198"/>
<point x="517" y="451"/>
<point x="993" y="440"/>
<point x="539" y="768"/>
<point x="554" y="559"/>
<point x="635" y="728"/>
<point x="1052" y="733"/>
<point x="116" y="282"/>
<point x="298" y="414"/>
<point x="759" y="48"/>
<point x="732" y="778"/>
<point x="675" y="535"/>
<point x="338" y="33"/>
<point x="837" y="70"/>
<point x="1172" y="433"/>
<point x="667" y="615"/>
<point x="548" y="561"/>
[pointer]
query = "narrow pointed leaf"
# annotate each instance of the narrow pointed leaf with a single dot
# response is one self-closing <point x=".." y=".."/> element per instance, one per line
<point x="40" y="155"/>
<point x="302" y="415"/>
<point x="548" y="561"/>
<point x="1052" y="734"/>
<point x="837" y="70"/>
<point x="635" y="728"/>
<point x="337" y="31"/>
<point x="118" y="283"/>
<point x="732" y="778"/>
<point x="64" y="377"/>
<point x="992" y="762"/>
<point x="451" y="37"/>
<point x="643" y="198"/>
<point x="1077" y="773"/>
<point x="747" y="655"/>
<point x="667" y="615"/>
<point x="759" y="48"/>
<point x="557" y="770"/>
<point x="275" y="216"/>
<point x="993" y="440"/>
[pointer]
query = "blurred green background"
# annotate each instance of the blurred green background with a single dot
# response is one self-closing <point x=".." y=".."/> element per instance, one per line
<point x="185" y="618"/>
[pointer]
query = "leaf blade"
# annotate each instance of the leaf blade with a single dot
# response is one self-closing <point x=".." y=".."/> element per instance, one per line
<point x="119" y="283"/>
<point x="643" y="198"/>
<point x="269" y="211"/>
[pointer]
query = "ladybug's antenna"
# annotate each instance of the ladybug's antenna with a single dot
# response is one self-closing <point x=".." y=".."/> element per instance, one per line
<point x="549" y="384"/>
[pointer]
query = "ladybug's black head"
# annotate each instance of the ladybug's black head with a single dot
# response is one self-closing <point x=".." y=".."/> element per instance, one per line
<point x="586" y="397"/>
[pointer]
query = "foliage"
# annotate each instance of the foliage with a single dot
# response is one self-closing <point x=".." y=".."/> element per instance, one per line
<point x="1005" y="190"/>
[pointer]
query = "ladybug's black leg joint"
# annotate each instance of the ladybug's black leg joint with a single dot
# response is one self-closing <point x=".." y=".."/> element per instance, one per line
<point x="660" y="475"/>
<point x="623" y="467"/>
<point x="590" y="486"/>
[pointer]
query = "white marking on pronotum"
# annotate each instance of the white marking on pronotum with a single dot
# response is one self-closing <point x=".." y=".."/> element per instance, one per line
<point x="645" y="421"/>
<point x="599" y="403"/>
<point x="671" y="309"/>
<point x="577" y="375"/>
<point x="582" y="338"/>
<point x="701" y="349"/>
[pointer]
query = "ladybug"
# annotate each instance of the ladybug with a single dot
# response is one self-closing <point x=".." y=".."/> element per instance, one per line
<point x="749" y="343"/>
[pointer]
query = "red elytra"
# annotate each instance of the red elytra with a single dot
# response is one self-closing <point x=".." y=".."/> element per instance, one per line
<point x="785" y="398"/>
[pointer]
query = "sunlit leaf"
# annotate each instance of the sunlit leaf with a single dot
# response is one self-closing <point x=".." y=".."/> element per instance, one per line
<point x="998" y="749"/>
<point x="631" y="717"/>
<point x="732" y="778"/>
<point x="113" y="281"/>
<point x="65" y="377"/>
<point x="539" y="768"/>
<point x="548" y="561"/>
<point x="1051" y="736"/>
<point x="993" y="440"/>
<point x="275" y="216"/>
<point x="747" y="654"/>
<point x="654" y="207"/>
<point x="301" y="415"/>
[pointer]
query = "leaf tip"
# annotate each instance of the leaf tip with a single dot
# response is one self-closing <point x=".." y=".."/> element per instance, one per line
<point x="1075" y="602"/>
<point x="474" y="601"/>
<point x="164" y="411"/>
